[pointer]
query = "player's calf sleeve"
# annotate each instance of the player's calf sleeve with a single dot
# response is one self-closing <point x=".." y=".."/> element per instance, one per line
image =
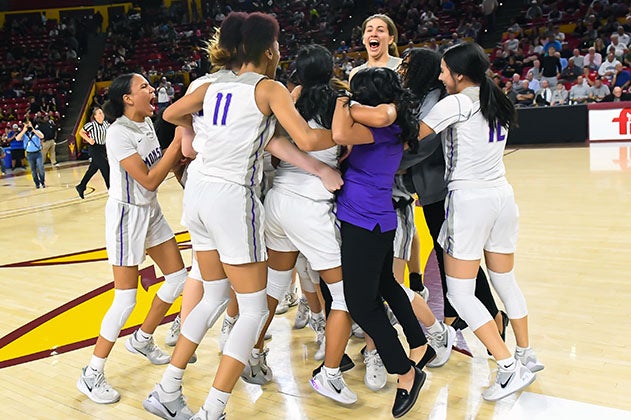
<point x="117" y="314"/>
<point x="278" y="282"/>
<point x="205" y="313"/>
<point x="461" y="295"/>
<point x="509" y="292"/>
<point x="253" y="314"/>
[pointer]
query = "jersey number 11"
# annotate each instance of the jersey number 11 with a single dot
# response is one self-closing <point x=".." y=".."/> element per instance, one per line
<point x="225" y="108"/>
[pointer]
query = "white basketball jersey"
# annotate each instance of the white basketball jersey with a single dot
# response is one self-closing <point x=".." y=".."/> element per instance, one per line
<point x="230" y="148"/>
<point x="124" y="138"/>
<point x="207" y="78"/>
<point x="473" y="151"/>
<point x="298" y="181"/>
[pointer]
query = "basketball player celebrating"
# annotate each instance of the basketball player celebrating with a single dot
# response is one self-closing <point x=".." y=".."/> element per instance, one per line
<point x="481" y="214"/>
<point x="240" y="116"/>
<point x="134" y="225"/>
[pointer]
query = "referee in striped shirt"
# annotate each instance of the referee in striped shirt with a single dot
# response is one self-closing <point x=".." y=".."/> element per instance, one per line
<point x="93" y="133"/>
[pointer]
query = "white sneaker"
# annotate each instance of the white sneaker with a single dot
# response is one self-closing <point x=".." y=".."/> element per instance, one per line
<point x="256" y="370"/>
<point x="203" y="415"/>
<point x="334" y="388"/>
<point x="529" y="359"/>
<point x="174" y="332"/>
<point x="302" y="314"/>
<point x="226" y="327"/>
<point x="167" y="405"/>
<point x="96" y="387"/>
<point x="148" y="349"/>
<point x="376" y="376"/>
<point x="318" y="325"/>
<point x="319" y="354"/>
<point x="442" y="344"/>
<point x="290" y="299"/>
<point x="508" y="382"/>
<point x="356" y="331"/>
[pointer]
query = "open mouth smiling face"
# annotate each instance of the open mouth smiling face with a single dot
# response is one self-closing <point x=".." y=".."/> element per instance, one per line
<point x="377" y="38"/>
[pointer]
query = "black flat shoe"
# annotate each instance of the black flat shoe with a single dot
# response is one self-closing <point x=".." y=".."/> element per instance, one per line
<point x="80" y="190"/>
<point x="345" y="365"/>
<point x="430" y="354"/>
<point x="404" y="401"/>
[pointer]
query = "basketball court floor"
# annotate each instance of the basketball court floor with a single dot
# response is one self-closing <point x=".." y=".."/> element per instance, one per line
<point x="573" y="264"/>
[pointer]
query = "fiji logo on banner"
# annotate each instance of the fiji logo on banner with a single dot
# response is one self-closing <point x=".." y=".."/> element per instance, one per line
<point x="609" y="124"/>
<point x="624" y="121"/>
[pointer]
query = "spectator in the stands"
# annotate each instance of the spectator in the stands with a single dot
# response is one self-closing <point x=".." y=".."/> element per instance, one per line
<point x="510" y="92"/>
<point x="551" y="67"/>
<point x="552" y="42"/>
<point x="600" y="47"/>
<point x="617" y="95"/>
<point x="593" y="59"/>
<point x="512" y="43"/>
<point x="532" y="82"/>
<point x="598" y="91"/>
<point x="578" y="59"/>
<point x="512" y="67"/>
<point x="571" y="71"/>
<point x="544" y="95"/>
<point x="579" y="92"/>
<point x="536" y="69"/>
<point x="618" y="46"/>
<point x="623" y="36"/>
<point x="559" y="95"/>
<point x="525" y="95"/>
<point x="608" y="67"/>
<point x="621" y="77"/>
<point x="534" y="11"/>
<point x="516" y="82"/>
<point x="556" y="32"/>
<point x="555" y="15"/>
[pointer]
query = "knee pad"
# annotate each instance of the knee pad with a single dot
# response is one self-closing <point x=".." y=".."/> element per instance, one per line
<point x="205" y="313"/>
<point x="172" y="286"/>
<point x="461" y="295"/>
<point x="408" y="292"/>
<point x="253" y="313"/>
<point x="308" y="277"/>
<point x="118" y="313"/>
<point x="277" y="283"/>
<point x="337" y="294"/>
<point x="195" y="273"/>
<point x="510" y="294"/>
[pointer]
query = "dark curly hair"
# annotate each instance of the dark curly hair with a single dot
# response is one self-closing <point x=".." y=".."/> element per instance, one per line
<point x="419" y="71"/>
<point x="380" y="85"/>
<point x="314" y="70"/>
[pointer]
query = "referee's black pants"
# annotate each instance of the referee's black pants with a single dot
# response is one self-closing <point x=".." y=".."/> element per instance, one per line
<point x="367" y="272"/>
<point x="99" y="162"/>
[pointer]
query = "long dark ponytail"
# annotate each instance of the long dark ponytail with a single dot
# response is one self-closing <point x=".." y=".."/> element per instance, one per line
<point x="314" y="70"/>
<point x="114" y="107"/>
<point x="470" y="60"/>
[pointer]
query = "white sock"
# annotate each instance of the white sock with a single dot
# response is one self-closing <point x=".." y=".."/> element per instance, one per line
<point x="97" y="364"/>
<point x="231" y="319"/>
<point x="255" y="353"/>
<point x="142" y="336"/>
<point x="215" y="403"/>
<point x="172" y="378"/>
<point x="509" y="364"/>
<point x="521" y="350"/>
<point x="331" y="372"/>
<point x="436" y="328"/>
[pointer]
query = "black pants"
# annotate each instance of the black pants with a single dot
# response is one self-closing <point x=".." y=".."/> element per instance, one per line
<point x="434" y="217"/>
<point x="99" y="162"/>
<point x="367" y="272"/>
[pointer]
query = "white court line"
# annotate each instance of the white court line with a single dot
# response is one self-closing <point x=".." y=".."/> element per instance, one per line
<point x="530" y="406"/>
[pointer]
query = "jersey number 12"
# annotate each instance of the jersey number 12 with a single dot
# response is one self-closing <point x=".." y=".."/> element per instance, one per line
<point x="495" y="133"/>
<point x="225" y="108"/>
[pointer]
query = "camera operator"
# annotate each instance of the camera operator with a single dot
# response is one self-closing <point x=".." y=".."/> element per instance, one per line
<point x="45" y="125"/>
<point x="32" y="140"/>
